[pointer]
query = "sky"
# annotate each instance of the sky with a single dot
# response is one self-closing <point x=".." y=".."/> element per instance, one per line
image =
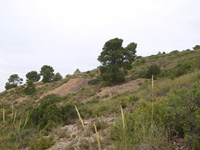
<point x="68" y="34"/>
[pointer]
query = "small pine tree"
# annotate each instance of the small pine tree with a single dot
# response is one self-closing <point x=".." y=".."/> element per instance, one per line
<point x="196" y="47"/>
<point x="13" y="81"/>
<point x="48" y="73"/>
<point x="57" y="77"/>
<point x="33" y="75"/>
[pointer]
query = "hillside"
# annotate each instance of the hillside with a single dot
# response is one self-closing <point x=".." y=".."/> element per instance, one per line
<point x="163" y="115"/>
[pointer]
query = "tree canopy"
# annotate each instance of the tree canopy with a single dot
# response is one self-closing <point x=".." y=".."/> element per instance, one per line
<point x="57" y="77"/>
<point x="33" y="76"/>
<point x="13" y="81"/>
<point x="116" y="59"/>
<point x="48" y="73"/>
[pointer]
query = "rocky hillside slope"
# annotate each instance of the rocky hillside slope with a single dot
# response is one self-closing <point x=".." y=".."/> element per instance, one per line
<point x="48" y="119"/>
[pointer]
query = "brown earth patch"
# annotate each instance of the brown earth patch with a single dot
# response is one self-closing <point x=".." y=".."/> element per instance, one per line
<point x="21" y="99"/>
<point x="72" y="86"/>
<point x="129" y="86"/>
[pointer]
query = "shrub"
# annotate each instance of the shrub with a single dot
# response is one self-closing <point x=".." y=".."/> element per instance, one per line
<point x="47" y="111"/>
<point x="94" y="81"/>
<point x="153" y="70"/>
<point x="196" y="47"/>
<point x="182" y="69"/>
<point x="143" y="60"/>
<point x="57" y="77"/>
<point x="50" y="99"/>
<point x="41" y="143"/>
<point x="30" y="89"/>
<point x="100" y="125"/>
<point x="181" y="111"/>
<point x="68" y="112"/>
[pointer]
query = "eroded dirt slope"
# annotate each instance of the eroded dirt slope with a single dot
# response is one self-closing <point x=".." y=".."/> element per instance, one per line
<point x="72" y="86"/>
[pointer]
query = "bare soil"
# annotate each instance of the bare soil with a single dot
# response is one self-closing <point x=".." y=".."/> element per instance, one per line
<point x="72" y="86"/>
<point x="128" y="86"/>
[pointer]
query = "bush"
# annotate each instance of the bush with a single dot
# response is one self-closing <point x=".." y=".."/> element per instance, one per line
<point x="181" y="111"/>
<point x="68" y="112"/>
<point x="100" y="125"/>
<point x="177" y="113"/>
<point x="196" y="47"/>
<point x="57" y="77"/>
<point x="30" y="89"/>
<point x="94" y="81"/>
<point x="50" y="99"/>
<point x="42" y="143"/>
<point x="47" y="111"/>
<point x="153" y="70"/>
<point x="182" y="69"/>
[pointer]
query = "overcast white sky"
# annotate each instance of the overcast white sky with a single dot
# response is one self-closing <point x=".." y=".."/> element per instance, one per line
<point x="70" y="34"/>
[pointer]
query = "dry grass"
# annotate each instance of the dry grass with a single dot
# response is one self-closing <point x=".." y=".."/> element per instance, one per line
<point x="124" y="130"/>
<point x="82" y="123"/>
<point x="3" y="116"/>
<point x="14" y="117"/>
<point x="26" y="119"/>
<point x="20" y="122"/>
<point x="79" y="116"/>
<point x="97" y="136"/>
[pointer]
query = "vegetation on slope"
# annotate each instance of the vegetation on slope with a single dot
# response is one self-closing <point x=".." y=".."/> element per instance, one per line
<point x="156" y="116"/>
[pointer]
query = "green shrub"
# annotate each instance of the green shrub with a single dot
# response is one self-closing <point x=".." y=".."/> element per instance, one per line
<point x="139" y="131"/>
<point x="30" y="89"/>
<point x="93" y="101"/>
<point x="143" y="60"/>
<point x="100" y="125"/>
<point x="153" y="70"/>
<point x="181" y="113"/>
<point x="47" y="111"/>
<point x="57" y="77"/>
<point x="196" y="47"/>
<point x="105" y="84"/>
<point x="133" y="99"/>
<point x="68" y="112"/>
<point x="50" y="99"/>
<point x="94" y="81"/>
<point x="178" y="112"/>
<point x="182" y="69"/>
<point x="41" y="143"/>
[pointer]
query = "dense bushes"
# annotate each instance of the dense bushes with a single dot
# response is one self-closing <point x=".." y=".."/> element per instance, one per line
<point x="68" y="112"/>
<point x="182" y="69"/>
<point x="49" y="115"/>
<point x="179" y="112"/>
<point x="182" y="114"/>
<point x="47" y="112"/>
